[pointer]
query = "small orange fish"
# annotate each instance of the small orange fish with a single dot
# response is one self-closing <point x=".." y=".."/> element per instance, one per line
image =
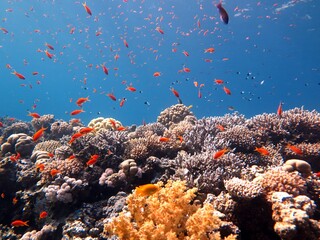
<point x="121" y="128"/>
<point x="164" y="139"/>
<point x="75" y="136"/>
<point x="77" y="111"/>
<point x="81" y="101"/>
<point x="218" y="81"/>
<point x="227" y="90"/>
<point x="19" y="223"/>
<point x="180" y="138"/>
<point x="54" y="172"/>
<point x="88" y="10"/>
<point x="131" y="89"/>
<point x="113" y="123"/>
<point x="49" y="55"/>
<point x="125" y="43"/>
<point x="35" y="73"/>
<point x="105" y="69"/>
<point x="38" y="134"/>
<point x="49" y="46"/>
<point x="295" y="149"/>
<point x="175" y="92"/>
<point x="51" y="155"/>
<point x="262" y="151"/>
<point x="93" y="160"/>
<point x="86" y="130"/>
<point x="14" y="201"/>
<point x="186" y="69"/>
<point x="279" y="110"/>
<point x="123" y="100"/>
<point x="43" y="214"/>
<point x="220" y="127"/>
<point x="14" y="158"/>
<point x="2" y="195"/>
<point x="111" y="96"/>
<point x="186" y="53"/>
<point x="71" y="157"/>
<point x="156" y="74"/>
<point x="159" y="30"/>
<point x="209" y="50"/>
<point x="19" y="75"/>
<point x="220" y="153"/>
<point x="34" y="115"/>
<point x="147" y="190"/>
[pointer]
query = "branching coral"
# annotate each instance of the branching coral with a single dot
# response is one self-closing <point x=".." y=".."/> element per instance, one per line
<point x="175" y="114"/>
<point x="60" y="128"/>
<point x="243" y="189"/>
<point x="167" y="214"/>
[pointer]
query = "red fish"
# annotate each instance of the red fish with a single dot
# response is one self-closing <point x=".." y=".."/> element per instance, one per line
<point x="19" y="223"/>
<point x="93" y="160"/>
<point x="34" y="115"/>
<point x="49" y="46"/>
<point x="54" y="172"/>
<point x="19" y="75"/>
<point x="175" y="92"/>
<point x="105" y="69"/>
<point x="43" y="214"/>
<point x="88" y="10"/>
<point x="279" y="110"/>
<point x="49" y="55"/>
<point x="86" y="130"/>
<point x="223" y="13"/>
<point x="81" y="101"/>
<point x="262" y="151"/>
<point x="209" y="50"/>
<point x="186" y="53"/>
<point x="38" y="134"/>
<point x="218" y="81"/>
<point x="156" y="74"/>
<point x="111" y="96"/>
<point x="125" y="43"/>
<point x="131" y="89"/>
<point x="77" y="111"/>
<point x="295" y="149"/>
<point x="123" y="100"/>
<point x="75" y="136"/>
<point x="187" y="70"/>
<point x="164" y="139"/>
<point x="159" y="30"/>
<point x="220" y="153"/>
<point x="121" y="128"/>
<point x="227" y="90"/>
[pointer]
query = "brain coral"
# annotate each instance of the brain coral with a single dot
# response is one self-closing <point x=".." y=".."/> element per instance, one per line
<point x="175" y="114"/>
<point x="103" y="123"/>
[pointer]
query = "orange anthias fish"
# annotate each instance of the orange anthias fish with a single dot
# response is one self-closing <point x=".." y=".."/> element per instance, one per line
<point x="159" y="30"/>
<point x="75" y="136"/>
<point x="19" y="75"/>
<point x="209" y="50"/>
<point x="295" y="149"/>
<point x="19" y="223"/>
<point x="262" y="151"/>
<point x="156" y="74"/>
<point x="131" y="89"/>
<point x="49" y="55"/>
<point x="77" y="111"/>
<point x="112" y="97"/>
<point x="105" y="69"/>
<point x="227" y="90"/>
<point x="279" y="110"/>
<point x="88" y="10"/>
<point x="86" y="130"/>
<point x="218" y="81"/>
<point x="81" y="101"/>
<point x="220" y="153"/>
<point x="38" y="134"/>
<point x="49" y="46"/>
<point x="43" y="214"/>
<point x="175" y="92"/>
<point x="14" y="158"/>
<point x="121" y="128"/>
<point x="93" y="160"/>
<point x="54" y="172"/>
<point x="147" y="190"/>
<point x="123" y="100"/>
<point x="34" y="115"/>
<point x="164" y="139"/>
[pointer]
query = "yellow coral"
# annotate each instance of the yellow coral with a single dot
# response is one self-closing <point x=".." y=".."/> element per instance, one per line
<point x="167" y="214"/>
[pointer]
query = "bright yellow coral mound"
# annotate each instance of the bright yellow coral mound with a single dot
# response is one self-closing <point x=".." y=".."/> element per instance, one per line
<point x="167" y="214"/>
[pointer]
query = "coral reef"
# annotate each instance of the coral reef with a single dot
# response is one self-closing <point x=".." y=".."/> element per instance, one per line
<point x="212" y="178"/>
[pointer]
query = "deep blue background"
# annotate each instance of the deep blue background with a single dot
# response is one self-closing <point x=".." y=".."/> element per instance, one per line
<point x="272" y="46"/>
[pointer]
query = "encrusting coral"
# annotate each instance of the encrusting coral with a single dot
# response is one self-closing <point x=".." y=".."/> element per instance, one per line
<point x="167" y="214"/>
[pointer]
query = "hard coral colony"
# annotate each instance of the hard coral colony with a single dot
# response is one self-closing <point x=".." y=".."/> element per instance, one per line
<point x="178" y="178"/>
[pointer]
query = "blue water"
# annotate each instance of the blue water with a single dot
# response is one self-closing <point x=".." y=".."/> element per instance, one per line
<point x="272" y="49"/>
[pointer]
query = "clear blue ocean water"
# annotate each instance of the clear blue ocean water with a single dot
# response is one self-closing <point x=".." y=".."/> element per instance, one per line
<point x="267" y="54"/>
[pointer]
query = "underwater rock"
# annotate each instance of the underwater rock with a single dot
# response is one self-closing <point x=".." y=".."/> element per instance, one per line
<point x="297" y="165"/>
<point x="175" y="114"/>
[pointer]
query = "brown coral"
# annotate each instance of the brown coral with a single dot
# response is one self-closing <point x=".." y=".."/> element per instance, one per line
<point x="175" y="114"/>
<point x="49" y="146"/>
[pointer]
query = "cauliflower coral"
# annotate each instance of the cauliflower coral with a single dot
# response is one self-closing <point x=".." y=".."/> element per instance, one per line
<point x="166" y="214"/>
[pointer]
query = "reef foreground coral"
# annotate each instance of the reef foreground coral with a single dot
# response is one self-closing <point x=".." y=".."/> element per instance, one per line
<point x="218" y="177"/>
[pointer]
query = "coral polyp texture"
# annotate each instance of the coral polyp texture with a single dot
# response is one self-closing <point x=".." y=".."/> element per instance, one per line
<point x="223" y="177"/>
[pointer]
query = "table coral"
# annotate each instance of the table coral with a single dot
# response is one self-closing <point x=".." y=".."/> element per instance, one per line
<point x="167" y="214"/>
